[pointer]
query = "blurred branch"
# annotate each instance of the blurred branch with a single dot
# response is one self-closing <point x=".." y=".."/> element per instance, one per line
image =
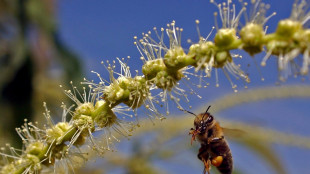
<point x="176" y="125"/>
<point x="259" y="94"/>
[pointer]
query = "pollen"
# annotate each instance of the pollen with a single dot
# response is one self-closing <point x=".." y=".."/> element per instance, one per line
<point x="217" y="161"/>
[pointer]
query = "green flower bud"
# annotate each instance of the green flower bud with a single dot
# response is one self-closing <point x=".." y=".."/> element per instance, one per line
<point x="104" y="116"/>
<point x="194" y="50"/>
<point x="139" y="91"/>
<point x="84" y="121"/>
<point x="302" y="38"/>
<point x="57" y="152"/>
<point x="286" y="28"/>
<point x="58" y="132"/>
<point x="165" y="80"/>
<point x="84" y="109"/>
<point x="176" y="58"/>
<point x="207" y="48"/>
<point x="221" y="58"/>
<point x="202" y="53"/>
<point x="252" y="38"/>
<point x="35" y="161"/>
<point x="226" y="38"/>
<point x="84" y="124"/>
<point x="10" y="168"/>
<point x="34" y="153"/>
<point x="117" y="91"/>
<point x="36" y="148"/>
<point x="131" y="91"/>
<point x="152" y="67"/>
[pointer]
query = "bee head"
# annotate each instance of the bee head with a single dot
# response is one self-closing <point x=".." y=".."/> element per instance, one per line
<point x="203" y="122"/>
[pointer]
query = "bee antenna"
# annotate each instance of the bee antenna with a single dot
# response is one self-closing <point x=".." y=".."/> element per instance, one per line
<point x="206" y="112"/>
<point x="208" y="108"/>
<point x="188" y="112"/>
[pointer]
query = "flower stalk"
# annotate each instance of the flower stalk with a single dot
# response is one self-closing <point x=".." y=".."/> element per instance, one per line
<point x="108" y="104"/>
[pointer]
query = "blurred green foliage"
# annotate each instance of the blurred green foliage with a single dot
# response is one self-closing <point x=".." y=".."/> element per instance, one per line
<point x="32" y="59"/>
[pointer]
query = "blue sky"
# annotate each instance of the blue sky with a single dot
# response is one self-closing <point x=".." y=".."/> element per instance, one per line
<point x="104" y="29"/>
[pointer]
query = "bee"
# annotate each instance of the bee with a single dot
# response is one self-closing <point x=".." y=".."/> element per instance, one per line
<point x="214" y="148"/>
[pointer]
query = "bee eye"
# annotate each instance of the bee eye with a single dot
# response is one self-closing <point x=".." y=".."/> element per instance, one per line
<point x="210" y="119"/>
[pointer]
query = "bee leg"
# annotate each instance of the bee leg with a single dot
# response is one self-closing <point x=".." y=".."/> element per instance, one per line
<point x="191" y="131"/>
<point x="207" y="166"/>
<point x="204" y="156"/>
<point x="217" y="161"/>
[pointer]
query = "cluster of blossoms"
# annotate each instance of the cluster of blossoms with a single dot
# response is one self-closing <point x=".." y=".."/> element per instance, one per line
<point x="109" y="105"/>
<point x="289" y="41"/>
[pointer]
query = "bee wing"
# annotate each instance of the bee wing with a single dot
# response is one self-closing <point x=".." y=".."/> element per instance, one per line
<point x="233" y="133"/>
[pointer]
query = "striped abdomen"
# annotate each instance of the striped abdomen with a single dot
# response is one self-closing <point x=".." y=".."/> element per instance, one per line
<point x="221" y="148"/>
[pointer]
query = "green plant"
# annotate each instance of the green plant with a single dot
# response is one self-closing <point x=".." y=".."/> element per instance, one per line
<point x="100" y="106"/>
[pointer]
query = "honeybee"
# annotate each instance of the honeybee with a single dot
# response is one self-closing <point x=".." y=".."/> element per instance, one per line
<point x="214" y="148"/>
